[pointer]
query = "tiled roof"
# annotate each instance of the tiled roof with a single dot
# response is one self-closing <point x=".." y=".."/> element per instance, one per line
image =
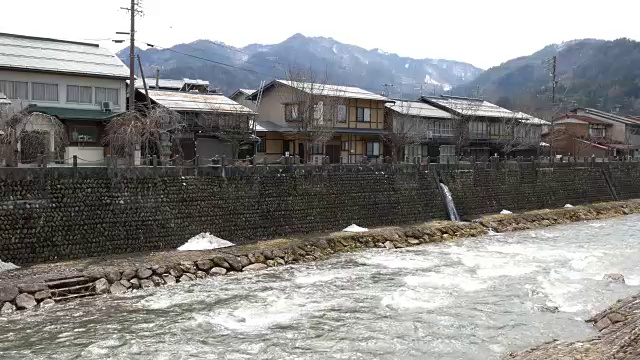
<point x="469" y="106"/>
<point x="418" y="108"/>
<point x="195" y="101"/>
<point x="329" y="90"/>
<point x="587" y="119"/>
<point x="50" y="55"/>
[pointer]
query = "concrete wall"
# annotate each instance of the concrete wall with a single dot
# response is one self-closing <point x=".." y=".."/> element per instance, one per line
<point x="63" y="213"/>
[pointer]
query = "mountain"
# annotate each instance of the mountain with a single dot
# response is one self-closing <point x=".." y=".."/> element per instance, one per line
<point x="340" y="63"/>
<point x="592" y="73"/>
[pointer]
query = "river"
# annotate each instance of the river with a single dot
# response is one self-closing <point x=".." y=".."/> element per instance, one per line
<point x="467" y="299"/>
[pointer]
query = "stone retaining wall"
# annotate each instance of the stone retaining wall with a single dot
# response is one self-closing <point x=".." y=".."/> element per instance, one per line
<point x="51" y="214"/>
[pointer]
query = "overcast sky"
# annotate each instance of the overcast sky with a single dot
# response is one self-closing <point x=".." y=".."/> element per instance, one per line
<point x="484" y="33"/>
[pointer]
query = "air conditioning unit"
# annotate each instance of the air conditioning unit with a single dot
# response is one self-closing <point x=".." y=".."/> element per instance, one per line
<point x="106" y="106"/>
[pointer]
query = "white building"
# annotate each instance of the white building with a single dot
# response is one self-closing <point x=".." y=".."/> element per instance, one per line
<point x="81" y="84"/>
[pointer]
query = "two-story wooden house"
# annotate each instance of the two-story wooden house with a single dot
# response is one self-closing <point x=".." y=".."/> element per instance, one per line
<point x="81" y="84"/>
<point x="315" y="120"/>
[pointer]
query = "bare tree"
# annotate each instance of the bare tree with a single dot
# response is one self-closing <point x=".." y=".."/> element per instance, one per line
<point x="229" y="122"/>
<point x="154" y="130"/>
<point x="31" y="135"/>
<point x="406" y="126"/>
<point x="312" y="107"/>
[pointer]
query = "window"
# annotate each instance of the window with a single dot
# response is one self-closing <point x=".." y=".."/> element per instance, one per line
<point x="84" y="134"/>
<point x="345" y="146"/>
<point x="441" y="128"/>
<point x="317" y="149"/>
<point x="341" y="115"/>
<point x="262" y="145"/>
<point x="478" y="130"/>
<point x="106" y="94"/>
<point x="15" y="89"/>
<point x="318" y="112"/>
<point x="447" y="152"/>
<point x="291" y="112"/>
<point x="597" y="132"/>
<point x="363" y="114"/>
<point x="79" y="94"/>
<point x="44" y="92"/>
<point x="373" y="149"/>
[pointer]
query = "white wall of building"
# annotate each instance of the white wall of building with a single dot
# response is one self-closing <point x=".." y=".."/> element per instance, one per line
<point x="85" y="154"/>
<point x="63" y="80"/>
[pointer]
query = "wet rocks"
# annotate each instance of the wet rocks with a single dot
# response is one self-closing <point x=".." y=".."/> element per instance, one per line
<point x="25" y="301"/>
<point x="255" y="267"/>
<point x="32" y="288"/>
<point x="46" y="303"/>
<point x="101" y="286"/>
<point x="117" y="288"/>
<point x="147" y="284"/>
<point x="188" y="267"/>
<point x="126" y="284"/>
<point x="157" y="281"/>
<point x="219" y="261"/>
<point x="144" y="273"/>
<point x="614" y="278"/>
<point x="112" y="276"/>
<point x="187" y="277"/>
<point x="42" y="295"/>
<point x="204" y="265"/>
<point x="389" y="245"/>
<point x="217" y="271"/>
<point x="135" y="284"/>
<point x="233" y="262"/>
<point x="8" y="293"/>
<point x="7" y="308"/>
<point x="128" y="274"/>
<point x="169" y="279"/>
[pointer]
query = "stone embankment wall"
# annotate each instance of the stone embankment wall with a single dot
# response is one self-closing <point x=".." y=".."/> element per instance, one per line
<point x="53" y="214"/>
<point x="44" y="285"/>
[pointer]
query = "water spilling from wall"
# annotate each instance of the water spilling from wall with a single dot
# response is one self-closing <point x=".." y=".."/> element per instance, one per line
<point x="451" y="206"/>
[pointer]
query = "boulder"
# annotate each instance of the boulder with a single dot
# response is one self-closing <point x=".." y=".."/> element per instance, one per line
<point x="157" y="281"/>
<point x="144" y="273"/>
<point x="25" y="301"/>
<point x="255" y="267"/>
<point x="42" y="295"/>
<point x="204" y="265"/>
<point x="112" y="276"/>
<point x="32" y="288"/>
<point x="175" y="272"/>
<point x="102" y="286"/>
<point x="135" y="283"/>
<point x="7" y="308"/>
<point x="219" y="261"/>
<point x="603" y="324"/>
<point x="270" y="263"/>
<point x="615" y="317"/>
<point x="321" y="243"/>
<point x="188" y="267"/>
<point x="201" y="275"/>
<point x="8" y="293"/>
<point x="614" y="278"/>
<point x="185" y="278"/>
<point x="159" y="270"/>
<point x="389" y="245"/>
<point x="125" y="283"/>
<point x="128" y="274"/>
<point x="117" y="288"/>
<point x="217" y="271"/>
<point x="146" y="284"/>
<point x="268" y="254"/>
<point x="234" y="262"/>
<point x="414" y="241"/>
<point x="169" y="279"/>
<point x="280" y="261"/>
<point x="244" y="261"/>
<point x="277" y="253"/>
<point x="47" y="303"/>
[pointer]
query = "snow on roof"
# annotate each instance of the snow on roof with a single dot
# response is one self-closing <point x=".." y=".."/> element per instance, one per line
<point x="329" y="90"/>
<point x="531" y="120"/>
<point x="418" y="108"/>
<point x="469" y="106"/>
<point x="195" y="101"/>
<point x="52" y="55"/>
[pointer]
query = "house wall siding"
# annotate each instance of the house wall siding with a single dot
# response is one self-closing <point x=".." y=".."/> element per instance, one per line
<point x="63" y="80"/>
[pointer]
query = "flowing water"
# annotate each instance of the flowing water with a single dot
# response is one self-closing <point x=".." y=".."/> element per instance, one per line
<point x="469" y="299"/>
<point x="451" y="206"/>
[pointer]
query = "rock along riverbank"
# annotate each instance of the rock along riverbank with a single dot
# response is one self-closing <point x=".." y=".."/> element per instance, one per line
<point x="43" y="285"/>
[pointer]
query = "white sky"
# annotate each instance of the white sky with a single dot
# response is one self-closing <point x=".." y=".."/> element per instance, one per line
<point x="482" y="32"/>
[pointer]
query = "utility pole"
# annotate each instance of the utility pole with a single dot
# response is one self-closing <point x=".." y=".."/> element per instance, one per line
<point x="132" y="49"/>
<point x="554" y="81"/>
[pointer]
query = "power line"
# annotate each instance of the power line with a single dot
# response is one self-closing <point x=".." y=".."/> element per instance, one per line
<point x="209" y="60"/>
